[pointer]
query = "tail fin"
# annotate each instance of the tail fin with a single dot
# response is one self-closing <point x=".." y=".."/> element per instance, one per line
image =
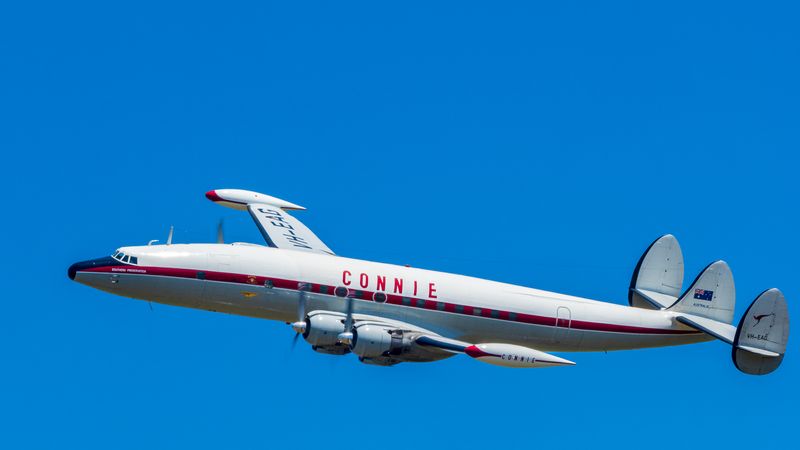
<point x="712" y="295"/>
<point x="762" y="334"/>
<point x="658" y="277"/>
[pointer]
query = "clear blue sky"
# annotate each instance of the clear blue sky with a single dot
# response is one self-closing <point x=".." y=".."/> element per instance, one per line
<point x="545" y="145"/>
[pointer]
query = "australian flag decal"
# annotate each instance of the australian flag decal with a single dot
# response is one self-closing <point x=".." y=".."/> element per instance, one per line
<point x="702" y="294"/>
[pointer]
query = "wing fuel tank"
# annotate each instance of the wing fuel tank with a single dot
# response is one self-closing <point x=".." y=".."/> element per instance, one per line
<point x="509" y="355"/>
<point x="239" y="199"/>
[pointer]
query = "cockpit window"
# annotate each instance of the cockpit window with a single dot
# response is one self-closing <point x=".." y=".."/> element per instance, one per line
<point x="122" y="257"/>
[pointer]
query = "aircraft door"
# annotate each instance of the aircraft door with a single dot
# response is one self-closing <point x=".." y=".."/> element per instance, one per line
<point x="220" y="292"/>
<point x="563" y="324"/>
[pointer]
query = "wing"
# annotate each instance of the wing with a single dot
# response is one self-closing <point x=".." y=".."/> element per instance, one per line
<point x="381" y="341"/>
<point x="279" y="229"/>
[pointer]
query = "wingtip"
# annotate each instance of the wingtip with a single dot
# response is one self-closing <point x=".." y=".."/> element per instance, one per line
<point x="212" y="195"/>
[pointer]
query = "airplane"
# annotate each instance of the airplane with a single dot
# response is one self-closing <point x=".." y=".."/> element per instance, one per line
<point x="387" y="314"/>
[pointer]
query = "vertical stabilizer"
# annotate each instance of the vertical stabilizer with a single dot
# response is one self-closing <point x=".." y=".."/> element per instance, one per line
<point x="762" y="334"/>
<point x="658" y="277"/>
<point x="712" y="295"/>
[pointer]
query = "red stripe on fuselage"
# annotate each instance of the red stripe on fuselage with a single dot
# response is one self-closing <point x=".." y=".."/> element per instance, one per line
<point x="228" y="277"/>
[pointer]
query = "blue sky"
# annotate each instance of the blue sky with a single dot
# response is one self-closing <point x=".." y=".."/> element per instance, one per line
<point x="545" y="145"/>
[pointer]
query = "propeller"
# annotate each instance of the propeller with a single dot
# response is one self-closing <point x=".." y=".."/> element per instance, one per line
<point x="220" y="232"/>
<point x="346" y="337"/>
<point x="300" y="326"/>
<point x="171" y="232"/>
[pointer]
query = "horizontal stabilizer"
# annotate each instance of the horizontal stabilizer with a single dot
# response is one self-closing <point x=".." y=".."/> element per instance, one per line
<point x="722" y="331"/>
<point x="658" y="277"/>
<point x="762" y="334"/>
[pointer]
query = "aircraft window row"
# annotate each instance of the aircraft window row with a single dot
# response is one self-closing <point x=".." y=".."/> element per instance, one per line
<point x="122" y="257"/>
<point x="380" y="297"/>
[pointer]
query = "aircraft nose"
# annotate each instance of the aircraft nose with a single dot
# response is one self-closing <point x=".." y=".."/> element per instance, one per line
<point x="73" y="270"/>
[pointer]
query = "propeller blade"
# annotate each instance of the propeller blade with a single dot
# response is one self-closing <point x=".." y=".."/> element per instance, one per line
<point x="346" y="337"/>
<point x="294" y="341"/>
<point x="171" y="232"/>
<point x="220" y="232"/>
<point x="300" y="326"/>
<point x="301" y="305"/>
<point x="348" y="321"/>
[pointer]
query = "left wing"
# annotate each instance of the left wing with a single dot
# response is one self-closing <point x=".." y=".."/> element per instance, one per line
<point x="279" y="229"/>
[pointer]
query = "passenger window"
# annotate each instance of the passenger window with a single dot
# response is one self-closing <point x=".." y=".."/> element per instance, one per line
<point x="379" y="297"/>
<point x="476" y="311"/>
<point x="341" y="291"/>
<point x="460" y="309"/>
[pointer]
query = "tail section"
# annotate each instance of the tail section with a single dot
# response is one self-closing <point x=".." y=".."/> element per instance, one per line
<point x="712" y="295"/>
<point x="658" y="277"/>
<point x="761" y="337"/>
<point x="759" y="342"/>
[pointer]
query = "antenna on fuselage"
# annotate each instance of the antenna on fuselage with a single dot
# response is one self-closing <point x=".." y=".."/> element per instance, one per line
<point x="220" y="233"/>
<point x="171" y="232"/>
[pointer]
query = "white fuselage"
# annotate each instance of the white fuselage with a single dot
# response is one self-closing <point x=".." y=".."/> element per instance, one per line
<point x="264" y="282"/>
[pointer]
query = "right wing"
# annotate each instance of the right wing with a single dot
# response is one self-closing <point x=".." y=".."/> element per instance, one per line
<point x="280" y="230"/>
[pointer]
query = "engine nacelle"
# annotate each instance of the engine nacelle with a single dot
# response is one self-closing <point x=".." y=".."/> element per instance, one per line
<point x="337" y="349"/>
<point x="374" y="341"/>
<point x="322" y="330"/>
<point x="380" y="361"/>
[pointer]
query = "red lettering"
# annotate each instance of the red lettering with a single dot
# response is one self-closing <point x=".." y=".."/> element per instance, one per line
<point x="364" y="280"/>
<point x="415" y="288"/>
<point x="398" y="285"/>
<point x="346" y="277"/>
<point x="431" y="290"/>
<point x="381" y="283"/>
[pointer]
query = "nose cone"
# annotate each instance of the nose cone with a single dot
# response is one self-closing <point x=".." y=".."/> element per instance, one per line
<point x="74" y="269"/>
